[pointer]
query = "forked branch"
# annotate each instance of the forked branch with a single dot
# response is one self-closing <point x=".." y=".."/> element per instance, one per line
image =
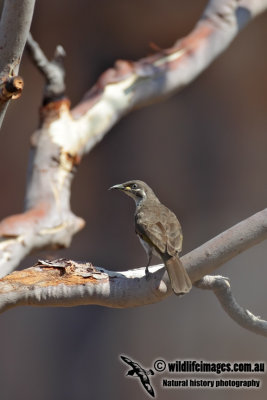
<point x="53" y="71"/>
<point x="67" y="283"/>
<point x="222" y="290"/>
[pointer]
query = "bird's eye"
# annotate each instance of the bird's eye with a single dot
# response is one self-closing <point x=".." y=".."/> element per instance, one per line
<point x="134" y="186"/>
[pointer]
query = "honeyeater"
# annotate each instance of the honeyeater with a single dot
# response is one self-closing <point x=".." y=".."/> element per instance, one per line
<point x="159" y="232"/>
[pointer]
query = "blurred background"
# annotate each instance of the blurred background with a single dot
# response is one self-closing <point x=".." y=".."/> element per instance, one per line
<point x="203" y="151"/>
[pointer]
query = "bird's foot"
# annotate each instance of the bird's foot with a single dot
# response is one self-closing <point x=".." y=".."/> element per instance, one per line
<point x="147" y="273"/>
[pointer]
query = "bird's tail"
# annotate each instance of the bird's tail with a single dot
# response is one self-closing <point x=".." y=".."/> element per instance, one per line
<point x="180" y="281"/>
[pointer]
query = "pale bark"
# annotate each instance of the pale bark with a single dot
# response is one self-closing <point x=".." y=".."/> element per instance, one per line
<point x="67" y="283"/>
<point x="222" y="290"/>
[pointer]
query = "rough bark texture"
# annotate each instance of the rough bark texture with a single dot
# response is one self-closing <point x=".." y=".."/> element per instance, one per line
<point x="68" y="283"/>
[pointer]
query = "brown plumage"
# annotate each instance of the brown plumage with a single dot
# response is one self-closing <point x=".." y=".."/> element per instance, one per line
<point x="159" y="232"/>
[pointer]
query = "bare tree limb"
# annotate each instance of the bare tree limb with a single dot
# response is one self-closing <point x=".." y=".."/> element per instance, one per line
<point x="14" y="28"/>
<point x="53" y="71"/>
<point x="65" y="136"/>
<point x="131" y="85"/>
<point x="48" y="220"/>
<point x="228" y="244"/>
<point x="67" y="283"/>
<point x="222" y="290"/>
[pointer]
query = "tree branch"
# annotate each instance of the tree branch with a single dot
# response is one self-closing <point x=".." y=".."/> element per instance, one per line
<point x="14" y="28"/>
<point x="48" y="220"/>
<point x="131" y="85"/>
<point x="67" y="283"/>
<point x="65" y="136"/>
<point x="228" y="244"/>
<point x="53" y="71"/>
<point x="222" y="290"/>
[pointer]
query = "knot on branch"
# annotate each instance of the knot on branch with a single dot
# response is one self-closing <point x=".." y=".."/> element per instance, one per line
<point x="11" y="88"/>
<point x="52" y="109"/>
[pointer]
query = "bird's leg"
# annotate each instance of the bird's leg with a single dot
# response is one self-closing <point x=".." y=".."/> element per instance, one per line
<point x="149" y="255"/>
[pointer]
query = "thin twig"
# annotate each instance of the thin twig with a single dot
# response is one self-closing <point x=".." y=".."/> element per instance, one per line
<point x="53" y="71"/>
<point x="222" y="290"/>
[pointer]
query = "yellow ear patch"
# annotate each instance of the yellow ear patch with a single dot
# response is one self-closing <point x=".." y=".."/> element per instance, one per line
<point x="128" y="188"/>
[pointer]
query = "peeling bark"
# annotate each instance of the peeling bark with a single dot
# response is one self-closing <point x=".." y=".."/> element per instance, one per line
<point x="66" y="283"/>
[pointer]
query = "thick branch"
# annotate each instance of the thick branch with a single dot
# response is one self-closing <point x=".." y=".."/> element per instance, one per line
<point x="48" y="220"/>
<point x="210" y="256"/>
<point x="134" y="84"/>
<point x="14" y="28"/>
<point x="67" y="283"/>
<point x="222" y="290"/>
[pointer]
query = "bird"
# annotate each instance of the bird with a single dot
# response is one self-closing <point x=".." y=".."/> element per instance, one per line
<point x="159" y="231"/>
<point x="141" y="373"/>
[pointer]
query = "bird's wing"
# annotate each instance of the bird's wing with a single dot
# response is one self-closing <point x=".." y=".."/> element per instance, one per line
<point x="146" y="383"/>
<point x="162" y="228"/>
<point x="154" y="234"/>
<point x="174" y="235"/>
<point x="127" y="361"/>
<point x="149" y="389"/>
<point x="136" y="367"/>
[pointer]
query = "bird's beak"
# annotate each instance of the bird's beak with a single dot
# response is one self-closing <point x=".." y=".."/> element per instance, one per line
<point x="119" y="187"/>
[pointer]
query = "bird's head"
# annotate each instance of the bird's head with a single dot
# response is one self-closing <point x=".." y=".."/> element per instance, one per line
<point x="138" y="190"/>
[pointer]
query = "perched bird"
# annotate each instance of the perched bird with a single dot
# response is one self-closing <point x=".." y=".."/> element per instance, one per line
<point x="141" y="373"/>
<point x="159" y="232"/>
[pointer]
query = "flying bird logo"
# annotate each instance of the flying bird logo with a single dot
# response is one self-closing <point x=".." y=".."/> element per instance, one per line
<point x="141" y="373"/>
